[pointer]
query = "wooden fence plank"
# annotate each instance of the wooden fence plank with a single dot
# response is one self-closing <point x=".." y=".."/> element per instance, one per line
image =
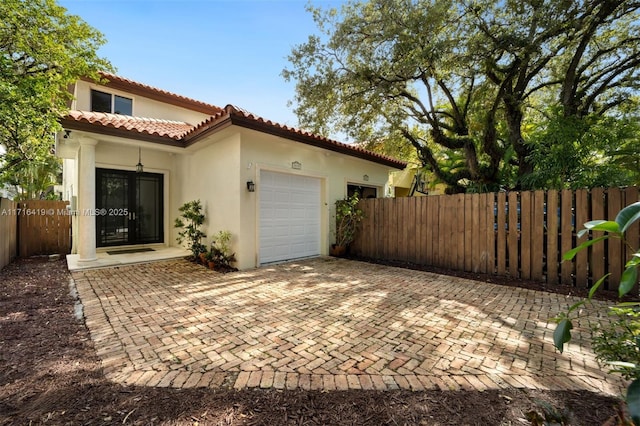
<point x="582" y="259"/>
<point x="597" y="250"/>
<point x="402" y="233"/>
<point x="525" y="234"/>
<point x="566" y="235"/>
<point x="412" y="228"/>
<point x="460" y="210"/>
<point x="443" y="238"/>
<point x="522" y="235"/>
<point x="501" y="234"/>
<point x="552" y="257"/>
<point x="437" y="240"/>
<point x="514" y="236"/>
<point x="422" y="203"/>
<point x="452" y="224"/>
<point x="431" y="230"/>
<point x="614" y="255"/>
<point x="633" y="233"/>
<point x="537" y="235"/>
<point x="481" y="244"/>
<point x="43" y="228"/>
<point x="475" y="233"/>
<point x="386" y="228"/>
<point x="9" y="231"/>
<point x="468" y="235"/>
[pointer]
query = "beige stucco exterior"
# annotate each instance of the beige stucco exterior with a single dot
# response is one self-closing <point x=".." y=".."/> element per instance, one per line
<point x="215" y="170"/>
<point x="142" y="107"/>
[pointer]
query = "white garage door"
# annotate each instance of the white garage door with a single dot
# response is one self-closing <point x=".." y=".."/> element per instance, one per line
<point x="289" y="216"/>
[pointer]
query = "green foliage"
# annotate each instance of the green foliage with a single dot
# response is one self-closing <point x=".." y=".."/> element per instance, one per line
<point x="42" y="51"/>
<point x="220" y="252"/>
<point x="617" y="344"/>
<point x="348" y="216"/>
<point x="459" y="79"/>
<point x="584" y="152"/>
<point x="33" y="180"/>
<point x="190" y="221"/>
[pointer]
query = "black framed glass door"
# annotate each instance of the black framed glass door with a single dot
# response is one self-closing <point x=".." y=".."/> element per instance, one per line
<point x="129" y="207"/>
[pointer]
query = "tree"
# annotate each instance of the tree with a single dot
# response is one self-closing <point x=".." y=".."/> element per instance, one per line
<point x="586" y="152"/>
<point x="459" y="78"/>
<point x="42" y="51"/>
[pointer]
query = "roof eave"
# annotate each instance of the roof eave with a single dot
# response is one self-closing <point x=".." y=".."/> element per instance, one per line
<point x="71" y="124"/>
<point x="269" y="128"/>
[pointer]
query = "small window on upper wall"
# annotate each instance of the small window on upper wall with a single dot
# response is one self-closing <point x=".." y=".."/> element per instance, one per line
<point x="106" y="102"/>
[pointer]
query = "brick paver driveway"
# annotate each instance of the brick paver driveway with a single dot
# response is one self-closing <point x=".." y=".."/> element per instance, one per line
<point x="328" y="324"/>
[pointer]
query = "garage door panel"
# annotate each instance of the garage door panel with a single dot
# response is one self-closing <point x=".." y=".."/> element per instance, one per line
<point x="290" y="215"/>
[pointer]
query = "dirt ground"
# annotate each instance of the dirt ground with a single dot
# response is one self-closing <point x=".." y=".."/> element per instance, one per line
<point x="50" y="374"/>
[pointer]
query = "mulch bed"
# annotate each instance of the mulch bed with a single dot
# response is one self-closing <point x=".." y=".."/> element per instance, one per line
<point x="50" y="374"/>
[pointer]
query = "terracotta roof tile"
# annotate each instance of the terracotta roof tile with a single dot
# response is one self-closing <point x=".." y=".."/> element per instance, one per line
<point x="231" y="111"/>
<point x="150" y="126"/>
<point x="182" y="134"/>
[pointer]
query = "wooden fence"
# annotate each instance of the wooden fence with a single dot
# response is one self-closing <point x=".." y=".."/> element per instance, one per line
<point x="518" y="234"/>
<point x="44" y="227"/>
<point x="8" y="231"/>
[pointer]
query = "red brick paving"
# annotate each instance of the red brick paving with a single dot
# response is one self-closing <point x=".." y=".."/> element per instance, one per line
<point x="330" y="324"/>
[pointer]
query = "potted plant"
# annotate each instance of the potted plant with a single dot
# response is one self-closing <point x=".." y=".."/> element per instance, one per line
<point x="348" y="216"/>
<point x="190" y="220"/>
<point x="220" y="255"/>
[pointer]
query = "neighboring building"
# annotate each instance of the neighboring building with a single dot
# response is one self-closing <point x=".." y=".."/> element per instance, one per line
<point x="412" y="182"/>
<point x="192" y="150"/>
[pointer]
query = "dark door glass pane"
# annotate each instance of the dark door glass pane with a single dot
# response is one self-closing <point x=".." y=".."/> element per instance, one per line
<point x="100" y="101"/>
<point x="149" y="216"/>
<point x="129" y="207"/>
<point x="122" y="106"/>
<point x="112" y="219"/>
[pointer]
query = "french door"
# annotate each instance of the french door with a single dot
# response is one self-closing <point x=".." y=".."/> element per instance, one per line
<point x="129" y="208"/>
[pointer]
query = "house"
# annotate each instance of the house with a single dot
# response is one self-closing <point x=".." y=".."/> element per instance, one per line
<point x="414" y="182"/>
<point x="272" y="186"/>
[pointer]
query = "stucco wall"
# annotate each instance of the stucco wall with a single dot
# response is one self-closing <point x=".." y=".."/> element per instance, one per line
<point x="216" y="170"/>
<point x="142" y="107"/>
<point x="211" y="175"/>
<point x="261" y="151"/>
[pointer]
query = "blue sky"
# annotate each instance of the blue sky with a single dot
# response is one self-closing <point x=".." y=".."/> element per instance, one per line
<point x="217" y="51"/>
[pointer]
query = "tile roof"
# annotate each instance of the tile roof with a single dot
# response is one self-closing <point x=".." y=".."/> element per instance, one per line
<point x="183" y="134"/>
<point x="150" y="126"/>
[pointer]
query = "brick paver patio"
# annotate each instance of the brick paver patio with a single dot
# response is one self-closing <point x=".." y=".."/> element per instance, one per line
<point x="330" y="324"/>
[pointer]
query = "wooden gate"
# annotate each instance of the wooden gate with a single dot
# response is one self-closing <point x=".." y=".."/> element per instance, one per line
<point x="44" y="227"/>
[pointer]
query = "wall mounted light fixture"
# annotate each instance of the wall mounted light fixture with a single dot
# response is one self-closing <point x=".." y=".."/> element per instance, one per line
<point x="365" y="178"/>
<point x="139" y="166"/>
<point x="251" y="187"/>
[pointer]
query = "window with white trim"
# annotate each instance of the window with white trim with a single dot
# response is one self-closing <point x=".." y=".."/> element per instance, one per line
<point x="107" y="102"/>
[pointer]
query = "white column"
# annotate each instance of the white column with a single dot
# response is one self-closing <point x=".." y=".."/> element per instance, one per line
<point x="87" y="200"/>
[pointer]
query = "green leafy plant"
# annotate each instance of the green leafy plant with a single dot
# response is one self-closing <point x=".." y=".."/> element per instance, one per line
<point x="624" y="334"/>
<point x="348" y="216"/>
<point x="220" y="252"/>
<point x="190" y="221"/>
<point x="618" y="343"/>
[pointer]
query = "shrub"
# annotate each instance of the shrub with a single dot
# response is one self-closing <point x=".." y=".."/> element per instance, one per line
<point x="190" y="221"/>
<point x="617" y="344"/>
<point x="220" y="252"/>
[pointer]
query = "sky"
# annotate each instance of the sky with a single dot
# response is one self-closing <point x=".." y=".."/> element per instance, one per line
<point x="216" y="51"/>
